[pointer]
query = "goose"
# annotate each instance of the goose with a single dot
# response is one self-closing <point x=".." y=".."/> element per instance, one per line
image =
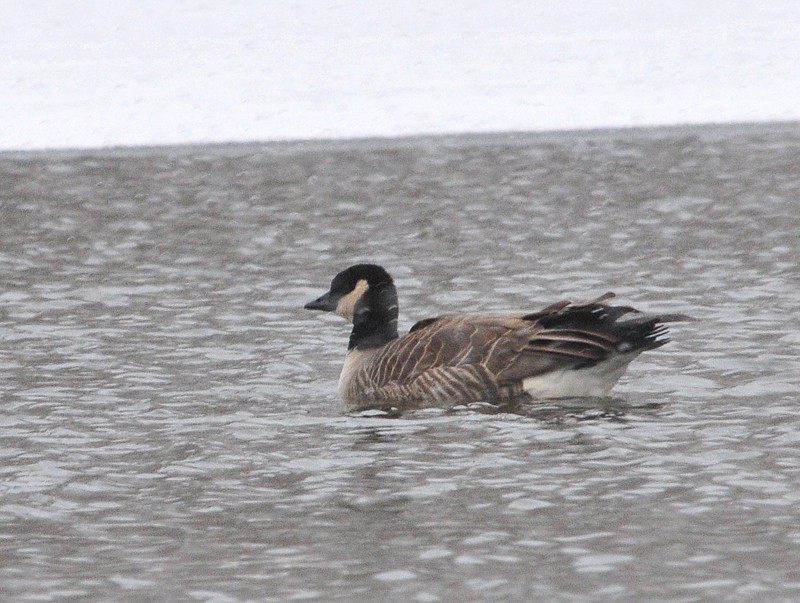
<point x="565" y="350"/>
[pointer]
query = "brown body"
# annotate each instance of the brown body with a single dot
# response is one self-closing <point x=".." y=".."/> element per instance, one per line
<point x="564" y="350"/>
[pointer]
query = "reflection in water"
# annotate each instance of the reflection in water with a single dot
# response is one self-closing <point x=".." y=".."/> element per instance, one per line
<point x="608" y="409"/>
<point x="170" y="429"/>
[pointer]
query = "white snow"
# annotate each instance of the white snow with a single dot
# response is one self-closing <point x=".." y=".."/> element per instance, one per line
<point x="87" y="73"/>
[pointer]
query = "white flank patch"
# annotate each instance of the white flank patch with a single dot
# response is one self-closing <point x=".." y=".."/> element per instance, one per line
<point x="571" y="383"/>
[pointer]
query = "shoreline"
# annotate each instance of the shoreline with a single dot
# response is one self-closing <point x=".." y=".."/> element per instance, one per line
<point x="708" y="130"/>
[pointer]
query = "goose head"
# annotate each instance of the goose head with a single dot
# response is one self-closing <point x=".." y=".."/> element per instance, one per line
<point x="364" y="295"/>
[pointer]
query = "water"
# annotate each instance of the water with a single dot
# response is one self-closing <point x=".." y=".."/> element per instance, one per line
<point x="170" y="430"/>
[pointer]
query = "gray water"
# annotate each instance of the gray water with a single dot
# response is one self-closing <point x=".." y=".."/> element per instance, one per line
<point x="170" y="428"/>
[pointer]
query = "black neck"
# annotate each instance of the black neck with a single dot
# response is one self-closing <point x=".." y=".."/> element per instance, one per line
<point x="375" y="318"/>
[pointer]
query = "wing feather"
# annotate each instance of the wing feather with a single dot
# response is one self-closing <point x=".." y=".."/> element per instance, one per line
<point x="478" y="357"/>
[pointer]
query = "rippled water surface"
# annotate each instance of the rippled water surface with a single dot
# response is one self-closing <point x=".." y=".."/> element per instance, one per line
<point x="170" y="430"/>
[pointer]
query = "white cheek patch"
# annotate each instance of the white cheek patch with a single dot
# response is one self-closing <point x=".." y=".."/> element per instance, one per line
<point x="347" y="303"/>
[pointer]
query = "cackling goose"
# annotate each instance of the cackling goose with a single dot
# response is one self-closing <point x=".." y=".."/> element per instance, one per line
<point x="565" y="350"/>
